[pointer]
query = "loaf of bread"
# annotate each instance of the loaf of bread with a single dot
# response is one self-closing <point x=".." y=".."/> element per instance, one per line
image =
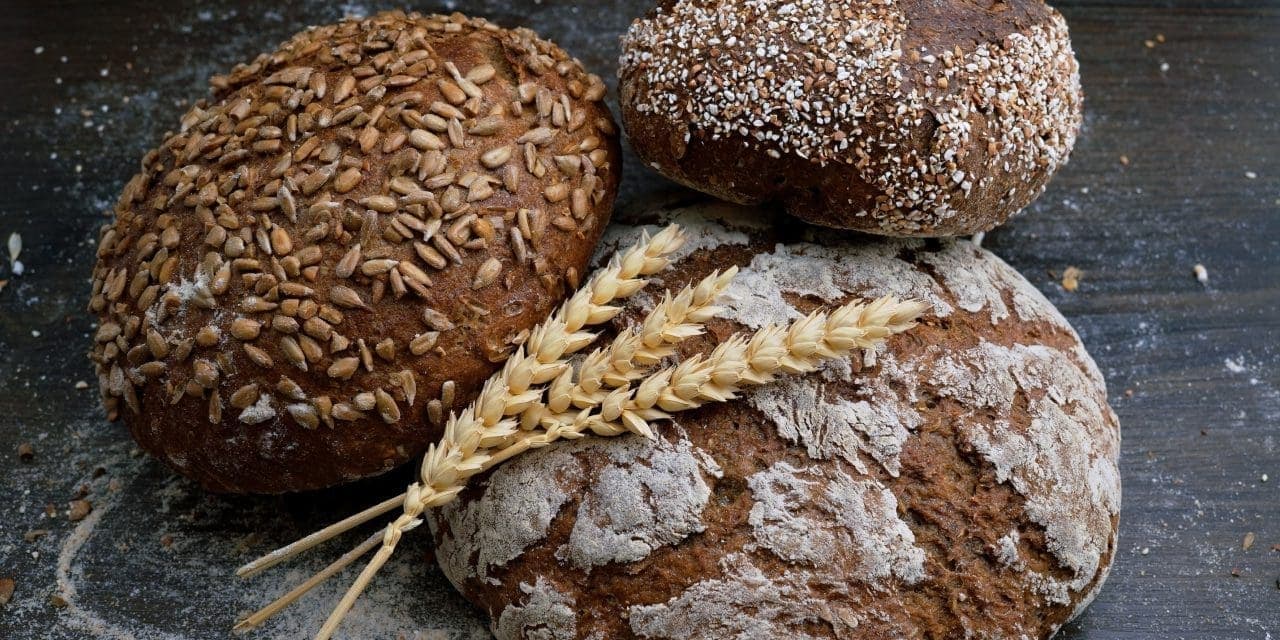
<point x="904" y="118"/>
<point x="344" y="243"/>
<point x="961" y="482"/>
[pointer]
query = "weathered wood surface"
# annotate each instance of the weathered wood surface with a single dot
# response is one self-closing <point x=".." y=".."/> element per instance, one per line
<point x="1177" y="165"/>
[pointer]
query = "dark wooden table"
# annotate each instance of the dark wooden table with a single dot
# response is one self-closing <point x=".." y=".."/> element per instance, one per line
<point x="1178" y="165"/>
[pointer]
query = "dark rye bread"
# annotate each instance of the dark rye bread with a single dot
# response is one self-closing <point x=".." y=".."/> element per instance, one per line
<point x="905" y="118"/>
<point x="962" y="482"/>
<point x="344" y="243"/>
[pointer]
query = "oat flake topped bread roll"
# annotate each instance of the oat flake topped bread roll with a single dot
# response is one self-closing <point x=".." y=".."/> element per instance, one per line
<point x="344" y="243"/>
<point x="959" y="482"/>
<point x="898" y="117"/>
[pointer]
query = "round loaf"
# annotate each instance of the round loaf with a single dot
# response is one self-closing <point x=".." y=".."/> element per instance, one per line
<point x="344" y="243"/>
<point x="961" y="482"/>
<point x="904" y="118"/>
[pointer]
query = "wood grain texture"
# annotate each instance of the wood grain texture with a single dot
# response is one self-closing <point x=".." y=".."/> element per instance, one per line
<point x="1158" y="183"/>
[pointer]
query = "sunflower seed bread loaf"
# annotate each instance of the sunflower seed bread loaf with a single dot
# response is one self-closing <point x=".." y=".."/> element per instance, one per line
<point x="343" y="243"/>
<point x="962" y="482"/>
<point x="901" y="117"/>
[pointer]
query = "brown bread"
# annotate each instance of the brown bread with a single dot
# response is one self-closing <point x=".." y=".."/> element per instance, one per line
<point x="962" y="482"/>
<point x="342" y="244"/>
<point x="906" y="118"/>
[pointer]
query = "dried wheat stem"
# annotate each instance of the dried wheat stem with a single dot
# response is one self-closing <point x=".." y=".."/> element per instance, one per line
<point x="265" y="613"/>
<point x="589" y="306"/>
<point x="284" y="553"/>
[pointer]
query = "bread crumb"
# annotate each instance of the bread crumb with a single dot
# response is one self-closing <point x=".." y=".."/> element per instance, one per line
<point x="78" y="510"/>
<point x="6" y="590"/>
<point x="81" y="385"/>
<point x="1202" y="274"/>
<point x="35" y="534"/>
<point x="1124" y="160"/>
<point x="26" y="452"/>
<point x="1248" y="541"/>
<point x="1071" y="279"/>
<point x="58" y="601"/>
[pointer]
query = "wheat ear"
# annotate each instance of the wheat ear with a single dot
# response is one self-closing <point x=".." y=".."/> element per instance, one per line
<point x="480" y="437"/>
<point x="739" y="362"/>
<point x="635" y="350"/>
<point x="541" y="358"/>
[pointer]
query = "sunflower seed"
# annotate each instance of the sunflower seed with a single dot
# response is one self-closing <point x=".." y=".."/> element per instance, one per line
<point x="345" y="412"/>
<point x="305" y="415"/>
<point x="425" y="140"/>
<point x="436" y="320"/>
<point x="208" y="336"/>
<point x="245" y="329"/>
<point x="347" y="265"/>
<point x="424" y="342"/>
<point x="204" y="373"/>
<point x="293" y="352"/>
<point x="578" y="204"/>
<point x="346" y="297"/>
<point x="281" y="242"/>
<point x="284" y="324"/>
<point x="290" y="389"/>
<point x="344" y="368"/>
<point x="387" y="408"/>
<point x="245" y="396"/>
<point x="486" y="126"/>
<point x="537" y="137"/>
<point x="556" y="192"/>
<point x="347" y="180"/>
<point x="258" y="356"/>
<point x="381" y="204"/>
<point x="378" y="267"/>
<point x="494" y="158"/>
<point x="410" y="386"/>
<point x="447" y="392"/>
<point x="487" y="274"/>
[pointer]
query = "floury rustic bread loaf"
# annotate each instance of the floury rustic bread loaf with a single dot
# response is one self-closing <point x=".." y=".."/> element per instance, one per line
<point x="897" y="117"/>
<point x="344" y="243"/>
<point x="961" y="482"/>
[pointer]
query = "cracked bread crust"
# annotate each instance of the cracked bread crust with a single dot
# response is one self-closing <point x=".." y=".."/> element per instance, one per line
<point x="961" y="482"/>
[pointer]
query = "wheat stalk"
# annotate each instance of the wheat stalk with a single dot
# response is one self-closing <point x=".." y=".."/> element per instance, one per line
<point x="541" y="358"/>
<point x="482" y="436"/>
<point x="739" y="362"/>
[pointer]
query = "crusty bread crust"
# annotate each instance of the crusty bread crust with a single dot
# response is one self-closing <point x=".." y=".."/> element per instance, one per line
<point x="344" y="244"/>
